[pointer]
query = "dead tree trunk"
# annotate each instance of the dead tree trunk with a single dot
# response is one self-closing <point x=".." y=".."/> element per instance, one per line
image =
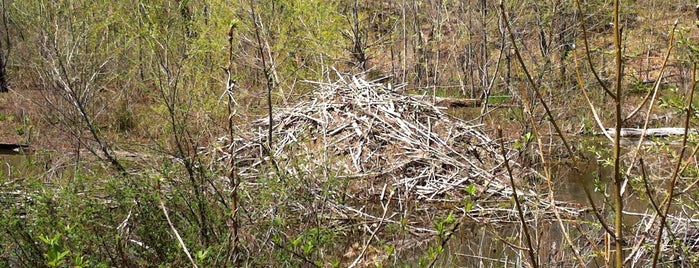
<point x="651" y="132"/>
<point x="449" y="102"/>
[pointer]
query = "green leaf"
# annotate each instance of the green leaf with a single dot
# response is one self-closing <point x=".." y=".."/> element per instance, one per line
<point x="471" y="189"/>
<point x="297" y="241"/>
<point x="469" y="205"/>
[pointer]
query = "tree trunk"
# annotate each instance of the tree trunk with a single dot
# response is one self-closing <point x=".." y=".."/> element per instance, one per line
<point x="651" y="132"/>
<point x="449" y="102"/>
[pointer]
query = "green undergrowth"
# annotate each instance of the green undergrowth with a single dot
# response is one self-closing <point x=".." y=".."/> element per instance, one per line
<point x="84" y="217"/>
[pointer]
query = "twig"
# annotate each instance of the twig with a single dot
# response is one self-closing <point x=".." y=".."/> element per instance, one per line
<point x="547" y="167"/>
<point x="530" y="246"/>
<point x="177" y="235"/>
<point x="373" y="234"/>
<point x="673" y="181"/>
<point x="652" y="100"/>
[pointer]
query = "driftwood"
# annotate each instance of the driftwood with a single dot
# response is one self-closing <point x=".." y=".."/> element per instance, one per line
<point x="449" y="102"/>
<point x="651" y="132"/>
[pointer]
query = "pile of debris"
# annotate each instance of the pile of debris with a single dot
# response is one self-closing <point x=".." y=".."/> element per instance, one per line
<point x="371" y="131"/>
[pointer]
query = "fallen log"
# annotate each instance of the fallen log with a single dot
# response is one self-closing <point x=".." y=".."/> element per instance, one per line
<point x="11" y="148"/>
<point x="449" y="102"/>
<point x="651" y="132"/>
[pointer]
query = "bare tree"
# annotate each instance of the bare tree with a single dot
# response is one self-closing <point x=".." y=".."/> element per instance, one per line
<point x="74" y="76"/>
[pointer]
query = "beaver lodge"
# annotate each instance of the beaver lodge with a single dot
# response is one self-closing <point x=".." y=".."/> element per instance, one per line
<point x="375" y="137"/>
<point x="393" y="152"/>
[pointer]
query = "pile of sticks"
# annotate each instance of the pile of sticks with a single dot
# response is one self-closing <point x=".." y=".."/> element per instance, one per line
<point x="362" y="130"/>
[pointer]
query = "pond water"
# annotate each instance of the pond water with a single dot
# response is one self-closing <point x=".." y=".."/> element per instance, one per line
<point x="495" y="245"/>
